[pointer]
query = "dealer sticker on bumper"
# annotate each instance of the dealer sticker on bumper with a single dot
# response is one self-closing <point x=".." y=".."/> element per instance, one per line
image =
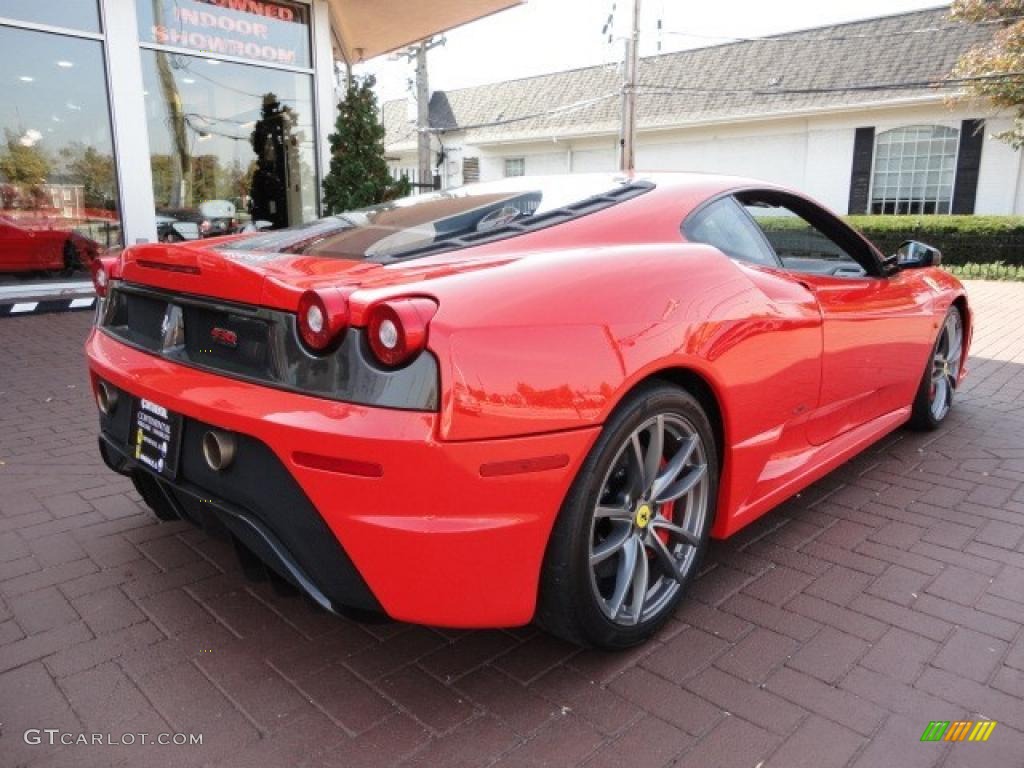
<point x="155" y="435"/>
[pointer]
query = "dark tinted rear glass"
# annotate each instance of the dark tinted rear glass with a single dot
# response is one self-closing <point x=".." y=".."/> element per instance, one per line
<point x="441" y="220"/>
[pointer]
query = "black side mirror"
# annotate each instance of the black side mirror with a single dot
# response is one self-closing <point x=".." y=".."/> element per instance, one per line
<point x="914" y="255"/>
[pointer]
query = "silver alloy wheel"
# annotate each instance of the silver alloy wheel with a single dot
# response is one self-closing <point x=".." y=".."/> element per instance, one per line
<point x="946" y="366"/>
<point x="647" y="524"/>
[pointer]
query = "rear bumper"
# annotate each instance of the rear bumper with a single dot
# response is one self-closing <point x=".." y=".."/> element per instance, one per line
<point x="433" y="540"/>
<point x="260" y="506"/>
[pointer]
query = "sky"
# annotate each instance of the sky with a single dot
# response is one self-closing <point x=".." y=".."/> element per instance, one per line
<point x="552" y="35"/>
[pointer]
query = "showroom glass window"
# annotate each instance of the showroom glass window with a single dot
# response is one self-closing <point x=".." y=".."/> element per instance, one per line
<point x="229" y="105"/>
<point x="914" y="169"/>
<point x="58" y="188"/>
<point x="82" y="15"/>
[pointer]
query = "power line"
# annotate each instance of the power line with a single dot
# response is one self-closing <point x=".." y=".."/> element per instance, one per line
<point x="556" y="111"/>
<point x="908" y="85"/>
<point x="179" y="62"/>
<point x="784" y="37"/>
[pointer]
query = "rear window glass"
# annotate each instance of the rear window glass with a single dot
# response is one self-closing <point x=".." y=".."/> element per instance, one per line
<point x="454" y="218"/>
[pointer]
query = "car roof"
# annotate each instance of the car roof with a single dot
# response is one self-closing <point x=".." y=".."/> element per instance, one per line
<point x="681" y="180"/>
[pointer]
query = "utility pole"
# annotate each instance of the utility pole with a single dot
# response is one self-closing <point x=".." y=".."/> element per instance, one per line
<point x="425" y="174"/>
<point x="627" y="134"/>
<point x="418" y="53"/>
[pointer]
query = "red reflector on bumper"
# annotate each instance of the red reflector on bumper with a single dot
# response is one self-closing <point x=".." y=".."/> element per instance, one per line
<point x="334" y="464"/>
<point x="521" y="466"/>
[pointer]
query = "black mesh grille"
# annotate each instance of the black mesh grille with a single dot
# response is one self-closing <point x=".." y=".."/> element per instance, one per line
<point x="228" y="341"/>
<point x="136" y="318"/>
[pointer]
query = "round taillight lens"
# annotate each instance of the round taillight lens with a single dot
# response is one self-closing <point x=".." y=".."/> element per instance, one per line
<point x="322" y="319"/>
<point x="387" y="334"/>
<point x="314" y="318"/>
<point x="397" y="329"/>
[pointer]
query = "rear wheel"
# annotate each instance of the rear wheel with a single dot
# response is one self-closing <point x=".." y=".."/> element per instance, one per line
<point x="71" y="261"/>
<point x="935" y="394"/>
<point x="635" y="524"/>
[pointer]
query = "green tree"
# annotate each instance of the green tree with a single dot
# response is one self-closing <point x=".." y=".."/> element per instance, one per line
<point x="274" y="189"/>
<point x="359" y="173"/>
<point x="23" y="162"/>
<point x="205" y="173"/>
<point x="235" y="181"/>
<point x="162" y="167"/>
<point x="94" y="170"/>
<point x="995" y="66"/>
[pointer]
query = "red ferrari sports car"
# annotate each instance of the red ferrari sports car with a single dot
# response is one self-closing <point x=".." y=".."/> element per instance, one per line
<point x="42" y="249"/>
<point x="534" y="399"/>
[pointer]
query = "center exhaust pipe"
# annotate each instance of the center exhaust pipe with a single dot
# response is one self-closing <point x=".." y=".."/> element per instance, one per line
<point x="218" y="449"/>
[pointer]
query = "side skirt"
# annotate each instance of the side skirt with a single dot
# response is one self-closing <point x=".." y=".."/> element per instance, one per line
<point x="818" y="462"/>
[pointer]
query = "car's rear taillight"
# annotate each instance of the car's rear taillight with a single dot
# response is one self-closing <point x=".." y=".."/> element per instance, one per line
<point x="397" y="329"/>
<point x="104" y="269"/>
<point x="322" y="319"/>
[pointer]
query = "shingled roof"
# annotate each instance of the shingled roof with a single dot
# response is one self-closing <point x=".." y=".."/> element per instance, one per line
<point x="760" y="78"/>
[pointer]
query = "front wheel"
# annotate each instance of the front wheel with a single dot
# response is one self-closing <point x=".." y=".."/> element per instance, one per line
<point x="935" y="393"/>
<point x="634" y="526"/>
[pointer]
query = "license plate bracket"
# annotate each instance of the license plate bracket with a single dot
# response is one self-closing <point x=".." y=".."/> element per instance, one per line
<point x="155" y="437"/>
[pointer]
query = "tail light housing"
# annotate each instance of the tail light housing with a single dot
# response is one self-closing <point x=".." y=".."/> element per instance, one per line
<point x="322" y="319"/>
<point x="104" y="269"/>
<point x="397" y="329"/>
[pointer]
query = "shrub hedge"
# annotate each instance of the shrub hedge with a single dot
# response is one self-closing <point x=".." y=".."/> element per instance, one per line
<point x="994" y="271"/>
<point x="962" y="239"/>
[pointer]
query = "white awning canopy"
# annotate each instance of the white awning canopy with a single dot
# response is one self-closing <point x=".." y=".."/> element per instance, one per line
<point x="368" y="28"/>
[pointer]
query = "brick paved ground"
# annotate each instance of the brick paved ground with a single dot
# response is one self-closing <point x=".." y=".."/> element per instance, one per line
<point x="889" y="594"/>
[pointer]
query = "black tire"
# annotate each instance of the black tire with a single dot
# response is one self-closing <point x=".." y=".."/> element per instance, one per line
<point x="570" y="603"/>
<point x="923" y="416"/>
<point x="72" y="262"/>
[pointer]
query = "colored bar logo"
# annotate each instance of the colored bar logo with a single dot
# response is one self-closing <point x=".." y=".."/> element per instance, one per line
<point x="959" y="730"/>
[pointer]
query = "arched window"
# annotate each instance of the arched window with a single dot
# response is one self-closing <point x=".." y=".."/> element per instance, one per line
<point x="914" y="169"/>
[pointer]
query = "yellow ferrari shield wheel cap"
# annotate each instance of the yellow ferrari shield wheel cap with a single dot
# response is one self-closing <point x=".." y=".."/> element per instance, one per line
<point x="643" y="516"/>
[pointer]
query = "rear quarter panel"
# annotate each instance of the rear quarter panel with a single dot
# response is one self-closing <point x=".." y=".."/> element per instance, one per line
<point x="564" y="337"/>
<point x="561" y="338"/>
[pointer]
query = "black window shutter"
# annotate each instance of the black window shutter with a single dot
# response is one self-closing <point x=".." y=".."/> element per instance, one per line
<point x="968" y="160"/>
<point x="860" y="177"/>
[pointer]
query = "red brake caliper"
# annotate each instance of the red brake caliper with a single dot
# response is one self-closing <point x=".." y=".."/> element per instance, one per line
<point x="666" y="511"/>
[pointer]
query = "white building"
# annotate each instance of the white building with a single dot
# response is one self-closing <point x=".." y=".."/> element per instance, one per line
<point x="845" y="113"/>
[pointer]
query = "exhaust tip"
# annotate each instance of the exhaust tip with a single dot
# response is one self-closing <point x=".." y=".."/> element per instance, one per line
<point x="218" y="449"/>
<point x="106" y="398"/>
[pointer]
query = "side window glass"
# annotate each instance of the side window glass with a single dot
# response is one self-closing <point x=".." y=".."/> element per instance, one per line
<point x="799" y="244"/>
<point x="723" y="225"/>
